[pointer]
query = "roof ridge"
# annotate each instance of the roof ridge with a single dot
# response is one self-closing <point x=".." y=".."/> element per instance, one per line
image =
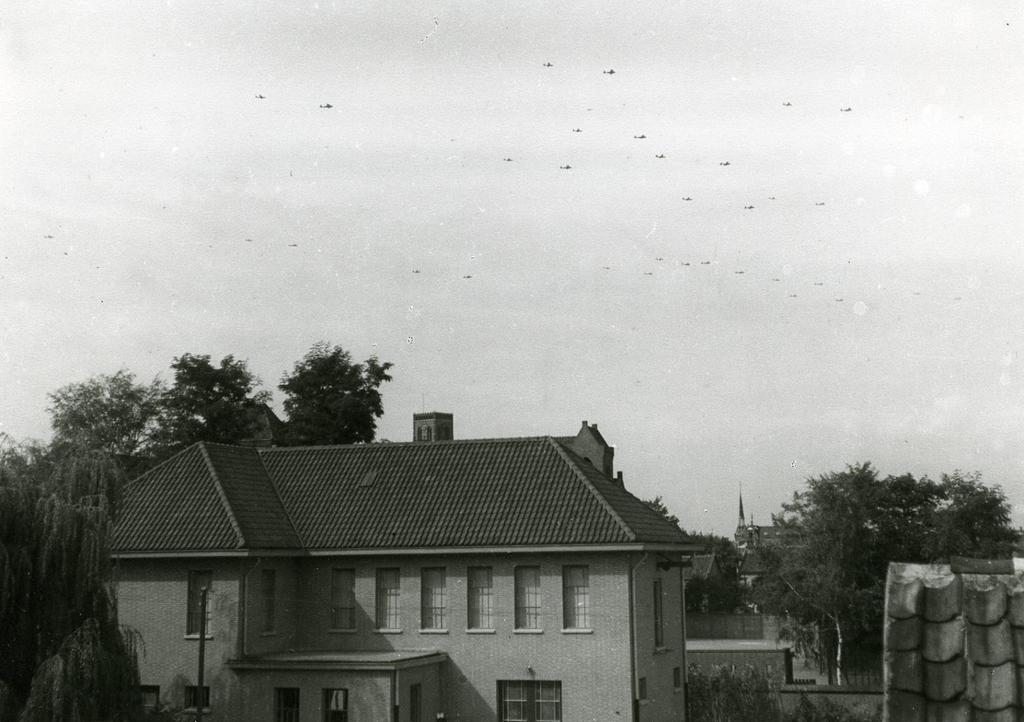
<point x="396" y="444"/>
<point x="564" y="453"/>
<point x="277" y="494"/>
<point x="220" y="489"/>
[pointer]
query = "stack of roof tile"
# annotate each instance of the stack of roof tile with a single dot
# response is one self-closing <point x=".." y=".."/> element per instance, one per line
<point x="954" y="642"/>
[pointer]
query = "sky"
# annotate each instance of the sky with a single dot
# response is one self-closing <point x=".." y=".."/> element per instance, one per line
<point x="787" y="239"/>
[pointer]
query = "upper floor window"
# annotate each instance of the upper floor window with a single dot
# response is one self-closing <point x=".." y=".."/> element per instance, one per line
<point x="286" y="704"/>
<point x="527" y="598"/>
<point x="268" y="589"/>
<point x="659" y="617"/>
<point x="197" y="581"/>
<point x="335" y="705"/>
<point x="387" y="599"/>
<point x="432" y="598"/>
<point x="480" y="604"/>
<point x="575" y="597"/>
<point x="343" y="599"/>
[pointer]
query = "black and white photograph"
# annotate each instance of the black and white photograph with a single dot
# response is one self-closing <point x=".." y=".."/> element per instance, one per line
<point x="653" y="361"/>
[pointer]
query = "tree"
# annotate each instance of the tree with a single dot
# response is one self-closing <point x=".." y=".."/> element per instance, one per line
<point x="210" y="403"/>
<point x="330" y="399"/>
<point x="66" y="658"/>
<point x="109" y="413"/>
<point x="851" y="524"/>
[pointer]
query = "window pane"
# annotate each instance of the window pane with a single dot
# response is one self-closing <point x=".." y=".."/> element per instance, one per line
<point x="575" y="597"/>
<point x="659" y="624"/>
<point x="150" y="697"/>
<point x="268" y="587"/>
<point x="343" y="601"/>
<point x="415" y="703"/>
<point x="549" y="701"/>
<point x="387" y="599"/>
<point x="286" y="704"/>
<point x="196" y="581"/>
<point x="335" y="705"/>
<point x="529" y="701"/>
<point x="527" y="598"/>
<point x="191" y="700"/>
<point x="432" y="598"/>
<point x="480" y="598"/>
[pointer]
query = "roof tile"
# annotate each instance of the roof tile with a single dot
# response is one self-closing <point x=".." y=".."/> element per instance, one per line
<point x="984" y="598"/>
<point x="990" y="645"/>
<point x="995" y="688"/>
<point x="945" y="681"/>
<point x="943" y="641"/>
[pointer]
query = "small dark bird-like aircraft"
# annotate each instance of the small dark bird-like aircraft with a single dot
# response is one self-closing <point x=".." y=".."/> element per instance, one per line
<point x="415" y="270"/>
<point x="787" y="104"/>
<point x="327" y="106"/>
<point x="725" y="163"/>
<point x="47" y="236"/>
<point x="648" y="273"/>
<point x="684" y="263"/>
<point x="771" y="198"/>
<point x="507" y="160"/>
<point x="687" y="198"/>
<point x="705" y="263"/>
<point x="640" y="137"/>
<point x="845" y="110"/>
<point x="792" y="295"/>
<point x="838" y="300"/>
<point x="577" y="130"/>
<point x="776" y="279"/>
<point x="548" y="65"/>
<point x="467" y="276"/>
<point x="248" y="240"/>
<point x="820" y="204"/>
<point x="659" y="258"/>
<point x="565" y="167"/>
<point x="607" y="268"/>
<point x="748" y="208"/>
<point x="818" y="283"/>
<point x="610" y="71"/>
<point x="660" y="155"/>
<point x="739" y="273"/>
<point x="260" y="97"/>
<point x="293" y="245"/>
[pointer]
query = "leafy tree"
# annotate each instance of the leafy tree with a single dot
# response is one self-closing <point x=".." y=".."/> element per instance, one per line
<point x="656" y="504"/>
<point x="210" y="403"/>
<point x="330" y="399"/>
<point x="851" y="524"/>
<point x="110" y="413"/>
<point x="66" y="659"/>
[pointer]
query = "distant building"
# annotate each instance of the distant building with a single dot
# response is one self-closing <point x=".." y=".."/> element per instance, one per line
<point x="750" y="538"/>
<point x="490" y="579"/>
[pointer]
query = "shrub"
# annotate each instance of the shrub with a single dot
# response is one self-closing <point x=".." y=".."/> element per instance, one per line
<point x="731" y="694"/>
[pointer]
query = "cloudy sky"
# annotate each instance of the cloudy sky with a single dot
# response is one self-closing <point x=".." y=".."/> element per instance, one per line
<point x="825" y="267"/>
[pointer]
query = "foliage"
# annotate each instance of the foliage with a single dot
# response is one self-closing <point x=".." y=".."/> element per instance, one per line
<point x="65" y="657"/>
<point x="656" y="504"/>
<point x="725" y="694"/>
<point x="111" y="413"/>
<point x="330" y="399"/>
<point x="210" y="403"/>
<point x="851" y="524"/>
<point x="825" y="710"/>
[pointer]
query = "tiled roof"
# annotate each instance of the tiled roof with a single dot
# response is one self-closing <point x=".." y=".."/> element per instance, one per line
<point x="496" y="492"/>
<point x="954" y="642"/>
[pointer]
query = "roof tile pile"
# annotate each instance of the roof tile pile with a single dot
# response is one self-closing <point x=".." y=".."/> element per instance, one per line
<point x="954" y="642"/>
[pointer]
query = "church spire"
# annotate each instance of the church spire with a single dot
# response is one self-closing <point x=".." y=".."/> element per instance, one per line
<point x="743" y="519"/>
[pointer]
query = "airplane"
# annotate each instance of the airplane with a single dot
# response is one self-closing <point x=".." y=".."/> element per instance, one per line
<point x="687" y="198"/>
<point x="565" y="167"/>
<point x="748" y="208"/>
<point x="548" y="65"/>
<point x="771" y="198"/>
<point x="640" y="137"/>
<point x="845" y="110"/>
<point x="467" y="276"/>
<point x="739" y="273"/>
<point x="293" y="245"/>
<point x="662" y="155"/>
<point x="776" y="279"/>
<point x="659" y="258"/>
<point x="260" y="97"/>
<point x="705" y="263"/>
<point x="610" y="71"/>
<point x="327" y="106"/>
<point x="820" y="204"/>
<point x="507" y="160"/>
<point x="577" y="130"/>
<point x="787" y="104"/>
<point x="725" y="163"/>
<point x="415" y="270"/>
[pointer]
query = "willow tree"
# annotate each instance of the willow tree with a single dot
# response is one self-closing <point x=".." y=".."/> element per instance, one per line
<point x="64" y="656"/>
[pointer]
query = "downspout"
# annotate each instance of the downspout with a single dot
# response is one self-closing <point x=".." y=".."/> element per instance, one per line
<point x="682" y="655"/>
<point x="634" y="713"/>
<point x="394" y="695"/>
<point x="243" y="608"/>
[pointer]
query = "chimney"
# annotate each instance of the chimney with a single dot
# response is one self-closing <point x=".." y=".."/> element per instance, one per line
<point x="432" y="426"/>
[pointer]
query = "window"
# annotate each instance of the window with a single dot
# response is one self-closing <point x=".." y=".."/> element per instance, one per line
<point x="481" y="595"/>
<point x="286" y="704"/>
<point x="641" y="688"/>
<point x="335" y="705"/>
<point x="343" y="599"/>
<point x="659" y="619"/>
<point x="150" y="697"/>
<point x="527" y="598"/>
<point x="529" y="701"/>
<point x="268" y="589"/>
<point x="197" y="580"/>
<point x="415" y="703"/>
<point x="387" y="599"/>
<point x="575" y="597"/>
<point x="192" y="700"/>
<point x="432" y="598"/>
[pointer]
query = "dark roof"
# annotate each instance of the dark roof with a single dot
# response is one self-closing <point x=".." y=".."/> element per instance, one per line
<point x="703" y="566"/>
<point x="491" y="492"/>
<point x="752" y="563"/>
<point x="950" y="636"/>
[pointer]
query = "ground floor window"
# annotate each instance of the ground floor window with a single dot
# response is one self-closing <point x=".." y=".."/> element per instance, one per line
<point x="335" y="705"/>
<point x="286" y="704"/>
<point x="192" y="697"/>
<point x="529" y="701"/>
<point x="415" y="703"/>
<point x="150" y="697"/>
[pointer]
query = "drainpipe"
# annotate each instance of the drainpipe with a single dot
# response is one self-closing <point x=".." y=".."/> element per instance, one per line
<point x="682" y="655"/>
<point x="394" y="695"/>
<point x="634" y="707"/>
<point x="243" y="608"/>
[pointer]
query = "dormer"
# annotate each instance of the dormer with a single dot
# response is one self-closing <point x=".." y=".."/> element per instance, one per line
<point x="591" y="446"/>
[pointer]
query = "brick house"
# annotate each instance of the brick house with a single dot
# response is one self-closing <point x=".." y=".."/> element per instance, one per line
<point x="493" y="579"/>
